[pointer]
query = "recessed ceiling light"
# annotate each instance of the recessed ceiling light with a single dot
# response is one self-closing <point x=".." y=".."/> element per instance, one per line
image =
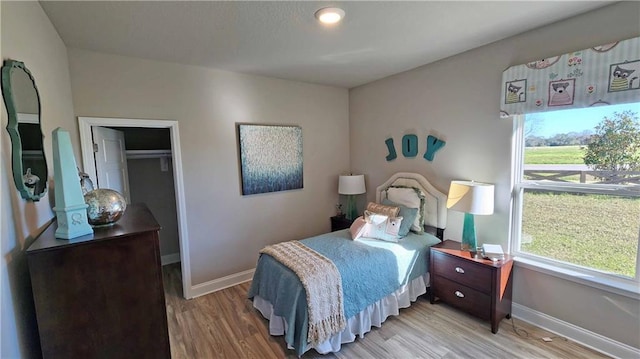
<point x="330" y="15"/>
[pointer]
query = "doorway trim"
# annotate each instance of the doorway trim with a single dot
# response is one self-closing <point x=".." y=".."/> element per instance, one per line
<point x="86" y="145"/>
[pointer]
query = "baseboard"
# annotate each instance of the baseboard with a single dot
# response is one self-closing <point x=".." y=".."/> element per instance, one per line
<point x="170" y="258"/>
<point x="580" y="335"/>
<point x="221" y="283"/>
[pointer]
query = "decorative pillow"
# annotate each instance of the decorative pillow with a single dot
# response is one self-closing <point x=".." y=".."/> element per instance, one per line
<point x="411" y="197"/>
<point x="408" y="216"/>
<point x="381" y="227"/>
<point x="391" y="211"/>
<point x="357" y="228"/>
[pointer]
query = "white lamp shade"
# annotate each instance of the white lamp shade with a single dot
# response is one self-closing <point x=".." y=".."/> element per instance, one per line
<point x="471" y="197"/>
<point x="353" y="184"/>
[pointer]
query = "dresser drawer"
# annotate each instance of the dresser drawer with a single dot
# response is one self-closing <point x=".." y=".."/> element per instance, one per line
<point x="465" y="272"/>
<point x="463" y="297"/>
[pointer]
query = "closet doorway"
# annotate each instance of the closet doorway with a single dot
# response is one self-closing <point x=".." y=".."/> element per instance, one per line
<point x="153" y="158"/>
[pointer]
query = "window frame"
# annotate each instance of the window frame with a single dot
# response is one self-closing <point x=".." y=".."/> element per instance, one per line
<point x="618" y="284"/>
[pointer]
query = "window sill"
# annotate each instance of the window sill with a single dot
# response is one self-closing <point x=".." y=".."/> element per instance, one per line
<point x="624" y="288"/>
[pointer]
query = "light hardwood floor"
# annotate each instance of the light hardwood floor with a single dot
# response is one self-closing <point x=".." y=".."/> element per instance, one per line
<point x="224" y="324"/>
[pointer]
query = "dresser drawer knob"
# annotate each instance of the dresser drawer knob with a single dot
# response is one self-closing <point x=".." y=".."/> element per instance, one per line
<point x="459" y="270"/>
<point x="459" y="294"/>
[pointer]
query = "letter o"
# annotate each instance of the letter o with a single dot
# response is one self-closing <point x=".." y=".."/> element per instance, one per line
<point x="409" y="145"/>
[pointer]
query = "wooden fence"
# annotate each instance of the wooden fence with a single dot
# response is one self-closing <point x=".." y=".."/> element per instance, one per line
<point x="585" y="176"/>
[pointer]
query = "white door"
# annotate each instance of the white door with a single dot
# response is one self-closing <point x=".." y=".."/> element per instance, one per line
<point x="111" y="160"/>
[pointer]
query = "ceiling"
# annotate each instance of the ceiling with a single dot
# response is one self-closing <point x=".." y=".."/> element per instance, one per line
<point x="283" y="39"/>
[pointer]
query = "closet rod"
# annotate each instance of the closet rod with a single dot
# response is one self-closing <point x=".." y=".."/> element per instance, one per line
<point x="140" y="154"/>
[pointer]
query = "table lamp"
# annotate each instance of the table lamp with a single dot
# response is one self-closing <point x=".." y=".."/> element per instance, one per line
<point x="471" y="198"/>
<point x="351" y="185"/>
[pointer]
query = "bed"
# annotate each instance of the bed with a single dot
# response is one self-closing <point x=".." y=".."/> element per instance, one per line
<point x="377" y="277"/>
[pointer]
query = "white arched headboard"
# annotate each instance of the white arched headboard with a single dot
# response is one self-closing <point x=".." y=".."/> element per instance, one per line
<point x="435" y="207"/>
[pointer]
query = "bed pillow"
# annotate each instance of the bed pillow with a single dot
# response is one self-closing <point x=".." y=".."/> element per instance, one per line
<point x="408" y="216"/>
<point x="357" y="228"/>
<point x="391" y="211"/>
<point x="411" y="197"/>
<point x="381" y="227"/>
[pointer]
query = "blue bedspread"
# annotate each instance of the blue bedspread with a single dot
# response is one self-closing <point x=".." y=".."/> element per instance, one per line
<point x="370" y="269"/>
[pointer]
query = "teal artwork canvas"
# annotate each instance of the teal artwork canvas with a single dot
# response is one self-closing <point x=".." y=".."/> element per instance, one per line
<point x="270" y="158"/>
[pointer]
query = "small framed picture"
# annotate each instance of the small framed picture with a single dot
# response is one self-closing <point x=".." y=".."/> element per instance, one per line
<point x="624" y="76"/>
<point x="515" y="91"/>
<point x="561" y="92"/>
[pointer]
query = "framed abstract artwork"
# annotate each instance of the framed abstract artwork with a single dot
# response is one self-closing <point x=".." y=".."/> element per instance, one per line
<point x="270" y="158"/>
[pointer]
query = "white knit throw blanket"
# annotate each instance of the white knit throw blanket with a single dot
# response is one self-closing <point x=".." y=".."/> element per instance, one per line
<point x="322" y="283"/>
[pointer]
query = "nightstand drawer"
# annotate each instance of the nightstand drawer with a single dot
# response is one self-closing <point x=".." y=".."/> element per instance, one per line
<point x="465" y="272"/>
<point x="463" y="297"/>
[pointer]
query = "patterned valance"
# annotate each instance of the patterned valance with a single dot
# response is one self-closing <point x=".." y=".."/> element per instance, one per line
<point x="602" y="75"/>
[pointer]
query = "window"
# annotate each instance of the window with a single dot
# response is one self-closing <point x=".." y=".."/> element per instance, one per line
<point x="576" y="194"/>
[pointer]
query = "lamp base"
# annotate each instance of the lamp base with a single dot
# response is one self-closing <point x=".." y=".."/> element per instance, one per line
<point x="352" y="209"/>
<point x="469" y="243"/>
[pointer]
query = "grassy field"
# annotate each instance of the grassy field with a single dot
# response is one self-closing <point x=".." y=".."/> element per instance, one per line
<point x="565" y="155"/>
<point x="591" y="230"/>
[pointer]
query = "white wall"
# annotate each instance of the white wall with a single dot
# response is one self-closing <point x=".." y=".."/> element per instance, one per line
<point x="226" y="229"/>
<point x="27" y="35"/>
<point x="458" y="99"/>
<point x="3" y="271"/>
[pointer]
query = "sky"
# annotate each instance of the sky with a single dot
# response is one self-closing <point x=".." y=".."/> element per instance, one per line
<point x="576" y="120"/>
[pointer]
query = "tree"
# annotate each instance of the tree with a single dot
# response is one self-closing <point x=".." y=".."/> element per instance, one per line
<point x="560" y="139"/>
<point x="532" y="125"/>
<point x="535" y="141"/>
<point x="615" y="146"/>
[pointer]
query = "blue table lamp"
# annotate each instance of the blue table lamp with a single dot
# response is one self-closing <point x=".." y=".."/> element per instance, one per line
<point x="471" y="198"/>
<point x="351" y="186"/>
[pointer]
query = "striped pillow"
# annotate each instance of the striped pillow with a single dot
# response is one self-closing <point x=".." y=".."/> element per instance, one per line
<point x="389" y="211"/>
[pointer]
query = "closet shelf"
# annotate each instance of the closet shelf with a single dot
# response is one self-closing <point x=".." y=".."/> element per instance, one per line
<point x="140" y="154"/>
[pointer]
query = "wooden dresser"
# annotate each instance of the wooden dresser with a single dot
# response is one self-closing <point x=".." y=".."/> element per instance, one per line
<point x="475" y="285"/>
<point x="101" y="295"/>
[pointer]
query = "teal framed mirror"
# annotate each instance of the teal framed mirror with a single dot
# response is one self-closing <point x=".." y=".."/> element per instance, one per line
<point x="22" y="102"/>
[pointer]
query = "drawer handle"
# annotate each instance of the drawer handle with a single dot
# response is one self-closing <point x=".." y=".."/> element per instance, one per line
<point x="459" y="294"/>
<point x="459" y="270"/>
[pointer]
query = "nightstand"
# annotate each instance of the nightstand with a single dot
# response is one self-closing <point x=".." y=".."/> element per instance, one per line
<point x="477" y="286"/>
<point x="340" y="222"/>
